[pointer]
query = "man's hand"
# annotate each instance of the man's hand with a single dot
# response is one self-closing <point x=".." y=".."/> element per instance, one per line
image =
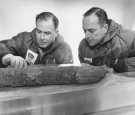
<point x="18" y="62"/>
<point x="14" y="61"/>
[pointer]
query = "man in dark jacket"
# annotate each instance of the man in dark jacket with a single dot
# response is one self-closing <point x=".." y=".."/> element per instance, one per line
<point x="43" y="45"/>
<point x="106" y="42"/>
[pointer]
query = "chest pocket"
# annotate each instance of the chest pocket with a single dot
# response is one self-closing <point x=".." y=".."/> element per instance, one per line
<point x="50" y="61"/>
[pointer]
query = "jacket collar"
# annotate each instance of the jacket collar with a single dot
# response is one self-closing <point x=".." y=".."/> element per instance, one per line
<point x="113" y="29"/>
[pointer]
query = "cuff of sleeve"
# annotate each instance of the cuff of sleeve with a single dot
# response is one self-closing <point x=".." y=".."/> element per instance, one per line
<point x="7" y="59"/>
<point x="120" y="66"/>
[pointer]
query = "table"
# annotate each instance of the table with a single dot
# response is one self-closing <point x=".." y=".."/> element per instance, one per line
<point x="111" y="96"/>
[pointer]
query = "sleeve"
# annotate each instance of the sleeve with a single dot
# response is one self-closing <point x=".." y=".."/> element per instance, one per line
<point x="10" y="46"/>
<point x="80" y="54"/>
<point x="3" y="51"/>
<point x="13" y="46"/>
<point x="65" y="54"/>
<point x="127" y="64"/>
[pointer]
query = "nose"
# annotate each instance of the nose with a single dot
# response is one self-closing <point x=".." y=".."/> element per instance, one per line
<point x="42" y="36"/>
<point x="87" y="34"/>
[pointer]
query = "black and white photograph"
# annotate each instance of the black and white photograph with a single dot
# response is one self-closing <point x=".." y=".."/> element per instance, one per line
<point x="67" y="57"/>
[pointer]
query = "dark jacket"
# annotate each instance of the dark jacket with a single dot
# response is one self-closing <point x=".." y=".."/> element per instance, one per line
<point x="58" y="53"/>
<point x="116" y="49"/>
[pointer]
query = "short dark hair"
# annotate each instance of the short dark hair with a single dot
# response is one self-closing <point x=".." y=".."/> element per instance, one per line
<point x="100" y="13"/>
<point x="48" y="15"/>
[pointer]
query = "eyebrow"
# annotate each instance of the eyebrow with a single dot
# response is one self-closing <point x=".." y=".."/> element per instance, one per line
<point x="38" y="29"/>
<point x="89" y="29"/>
<point x="43" y="31"/>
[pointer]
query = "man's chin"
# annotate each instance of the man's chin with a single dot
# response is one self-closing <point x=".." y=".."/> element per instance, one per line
<point x="91" y="44"/>
<point x="43" y="46"/>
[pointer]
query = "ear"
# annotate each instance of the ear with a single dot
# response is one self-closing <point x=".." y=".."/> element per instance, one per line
<point x="56" y="32"/>
<point x="105" y="28"/>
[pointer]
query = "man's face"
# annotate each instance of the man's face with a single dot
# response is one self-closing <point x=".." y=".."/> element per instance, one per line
<point x="45" y="33"/>
<point x="94" y="33"/>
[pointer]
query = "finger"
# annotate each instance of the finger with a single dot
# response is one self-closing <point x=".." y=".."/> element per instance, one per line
<point x="25" y="64"/>
<point x="21" y="63"/>
<point x="13" y="63"/>
<point x="17" y="63"/>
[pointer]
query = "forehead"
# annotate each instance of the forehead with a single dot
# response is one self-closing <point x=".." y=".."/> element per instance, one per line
<point x="44" y="25"/>
<point x="91" y="21"/>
